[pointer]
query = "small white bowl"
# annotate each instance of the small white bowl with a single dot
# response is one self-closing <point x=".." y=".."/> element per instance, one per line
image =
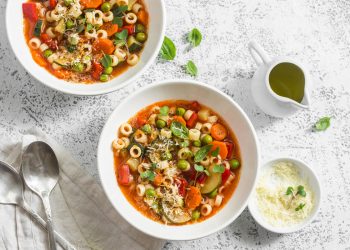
<point x="181" y="90"/>
<point x="306" y="173"/>
<point x="14" y="27"/>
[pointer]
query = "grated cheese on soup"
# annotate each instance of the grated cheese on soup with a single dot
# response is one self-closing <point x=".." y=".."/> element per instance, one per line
<point x="278" y="207"/>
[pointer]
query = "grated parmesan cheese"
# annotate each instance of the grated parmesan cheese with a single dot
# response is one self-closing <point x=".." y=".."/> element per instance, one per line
<point x="278" y="208"/>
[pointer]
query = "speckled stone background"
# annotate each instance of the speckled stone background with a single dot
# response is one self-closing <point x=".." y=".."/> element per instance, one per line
<point x="315" y="32"/>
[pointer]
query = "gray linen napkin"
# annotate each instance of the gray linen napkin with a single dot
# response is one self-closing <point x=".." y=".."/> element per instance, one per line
<point x="82" y="214"/>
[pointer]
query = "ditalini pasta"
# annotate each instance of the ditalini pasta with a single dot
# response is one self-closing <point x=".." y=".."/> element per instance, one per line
<point x="93" y="40"/>
<point x="169" y="169"/>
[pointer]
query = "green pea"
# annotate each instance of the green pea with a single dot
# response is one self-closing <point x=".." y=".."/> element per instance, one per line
<point x="69" y="24"/>
<point x="167" y="156"/>
<point x="68" y="2"/>
<point x="180" y="111"/>
<point x="104" y="78"/>
<point x="160" y="123"/>
<point x="150" y="192"/>
<point x="139" y="28"/>
<point x="197" y="143"/>
<point x="183" y="165"/>
<point x="207" y="139"/>
<point x="78" y="67"/>
<point x="48" y="53"/>
<point x="195" y="215"/>
<point x="108" y="70"/>
<point x="141" y="37"/>
<point x="106" y="7"/>
<point x="146" y="128"/>
<point x="234" y="164"/>
<point x="213" y="193"/>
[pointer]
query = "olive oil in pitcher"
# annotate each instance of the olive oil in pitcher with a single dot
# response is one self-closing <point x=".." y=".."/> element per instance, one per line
<point x="288" y="80"/>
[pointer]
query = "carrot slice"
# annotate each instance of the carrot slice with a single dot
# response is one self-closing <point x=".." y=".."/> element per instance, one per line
<point x="37" y="57"/>
<point x="110" y="28"/>
<point x="91" y="4"/>
<point x="179" y="119"/>
<point x="61" y="73"/>
<point x="193" y="197"/>
<point x="222" y="148"/>
<point x="103" y="44"/>
<point x="142" y="17"/>
<point x="158" y="180"/>
<point x="218" y="132"/>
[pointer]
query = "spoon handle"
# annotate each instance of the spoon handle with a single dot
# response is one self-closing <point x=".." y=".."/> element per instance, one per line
<point x="49" y="223"/>
<point x="62" y="241"/>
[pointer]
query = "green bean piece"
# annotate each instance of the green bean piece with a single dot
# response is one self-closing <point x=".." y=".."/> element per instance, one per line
<point x="197" y="143"/>
<point x="47" y="53"/>
<point x="207" y="139"/>
<point x="183" y="165"/>
<point x="140" y="28"/>
<point x="160" y="123"/>
<point x="141" y="37"/>
<point x="104" y="78"/>
<point x="106" y="7"/>
<point x="146" y="128"/>
<point x="213" y="193"/>
<point x="234" y="163"/>
<point x="150" y="192"/>
<point x="78" y="67"/>
<point x="195" y="215"/>
<point x="69" y="24"/>
<point x="108" y="70"/>
<point x="180" y="111"/>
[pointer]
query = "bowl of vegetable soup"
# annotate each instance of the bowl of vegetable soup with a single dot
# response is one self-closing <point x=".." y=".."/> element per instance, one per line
<point x="85" y="47"/>
<point x="179" y="163"/>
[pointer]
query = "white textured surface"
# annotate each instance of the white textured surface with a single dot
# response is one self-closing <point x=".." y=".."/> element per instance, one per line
<point x="316" y="32"/>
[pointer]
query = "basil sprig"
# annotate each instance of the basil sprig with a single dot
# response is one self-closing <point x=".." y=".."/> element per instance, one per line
<point x="168" y="49"/>
<point x="202" y="153"/>
<point x="179" y="130"/>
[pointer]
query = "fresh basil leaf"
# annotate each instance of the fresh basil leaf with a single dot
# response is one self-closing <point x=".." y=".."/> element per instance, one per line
<point x="89" y="27"/>
<point x="122" y="35"/>
<point x="300" y="207"/>
<point x="191" y="68"/>
<point x="71" y="48"/>
<point x="118" y="21"/>
<point x="322" y="124"/>
<point x="164" y="110"/>
<point x="119" y="42"/>
<point x="154" y="165"/>
<point x="202" y="153"/>
<point x="215" y="153"/>
<point x="289" y="191"/>
<point x="179" y="130"/>
<point x="301" y="191"/>
<point x="106" y="61"/>
<point x="194" y="37"/>
<point x="168" y="49"/>
<point x="37" y="28"/>
<point x="219" y="169"/>
<point x="198" y="168"/>
<point x="118" y="12"/>
<point x="148" y="174"/>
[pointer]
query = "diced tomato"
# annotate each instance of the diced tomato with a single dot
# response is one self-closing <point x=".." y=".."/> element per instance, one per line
<point x="190" y="174"/>
<point x="225" y="175"/>
<point x="130" y="28"/>
<point x="202" y="177"/>
<point x="192" y="121"/>
<point x="229" y="147"/>
<point x="195" y="106"/>
<point x="141" y="120"/>
<point x="124" y="174"/>
<point x="30" y="11"/>
<point x="181" y="183"/>
<point x="97" y="70"/>
<point x="53" y="4"/>
<point x="52" y="43"/>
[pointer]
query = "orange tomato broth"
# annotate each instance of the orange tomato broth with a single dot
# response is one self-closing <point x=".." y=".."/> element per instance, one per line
<point x="137" y="201"/>
<point x="37" y="55"/>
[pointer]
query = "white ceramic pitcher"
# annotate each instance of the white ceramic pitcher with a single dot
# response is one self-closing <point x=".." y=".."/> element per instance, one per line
<point x="265" y="98"/>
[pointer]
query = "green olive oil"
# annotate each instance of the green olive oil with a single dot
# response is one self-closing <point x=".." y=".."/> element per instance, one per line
<point x="288" y="80"/>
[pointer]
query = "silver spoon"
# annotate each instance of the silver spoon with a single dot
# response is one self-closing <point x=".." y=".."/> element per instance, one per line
<point x="11" y="193"/>
<point x="40" y="172"/>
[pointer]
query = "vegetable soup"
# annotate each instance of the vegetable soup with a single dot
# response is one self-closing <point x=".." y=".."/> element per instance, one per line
<point x="85" y="41"/>
<point x="177" y="162"/>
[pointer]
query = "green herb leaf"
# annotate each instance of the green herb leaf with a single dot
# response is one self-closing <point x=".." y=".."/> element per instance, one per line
<point x="118" y="12"/>
<point x="80" y="28"/>
<point x="194" y="37"/>
<point x="218" y="169"/>
<point x="148" y="174"/>
<point x="184" y="144"/>
<point x="122" y="35"/>
<point x="322" y="124"/>
<point x="202" y="153"/>
<point x="71" y="48"/>
<point x="37" y="28"/>
<point x="154" y="165"/>
<point x="198" y="168"/>
<point x="118" y="21"/>
<point x="119" y="42"/>
<point x="215" y="153"/>
<point x="300" y="207"/>
<point x="289" y="190"/>
<point x="191" y="68"/>
<point x="301" y="191"/>
<point x="89" y="27"/>
<point x="168" y="50"/>
<point x="106" y="61"/>
<point x="179" y="130"/>
<point x="164" y="110"/>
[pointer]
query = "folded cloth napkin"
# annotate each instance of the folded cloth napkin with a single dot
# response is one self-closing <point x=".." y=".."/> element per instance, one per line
<point x="82" y="214"/>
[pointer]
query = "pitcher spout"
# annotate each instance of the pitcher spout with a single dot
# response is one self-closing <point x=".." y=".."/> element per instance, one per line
<point x="305" y="103"/>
